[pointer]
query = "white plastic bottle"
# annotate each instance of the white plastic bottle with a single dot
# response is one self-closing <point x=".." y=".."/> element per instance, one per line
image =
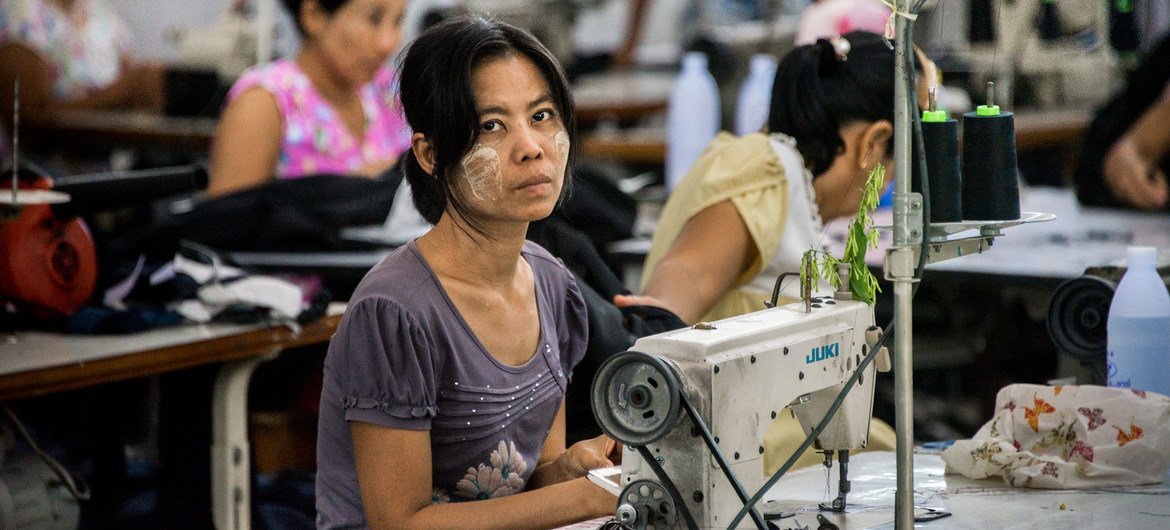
<point x="755" y="95"/>
<point x="692" y="117"/>
<point x="1138" y="331"/>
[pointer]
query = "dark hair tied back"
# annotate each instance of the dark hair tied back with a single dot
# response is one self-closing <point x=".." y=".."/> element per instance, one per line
<point x="828" y="58"/>
<point x="824" y="86"/>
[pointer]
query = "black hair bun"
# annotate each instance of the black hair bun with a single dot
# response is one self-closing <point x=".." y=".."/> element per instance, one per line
<point x="828" y="57"/>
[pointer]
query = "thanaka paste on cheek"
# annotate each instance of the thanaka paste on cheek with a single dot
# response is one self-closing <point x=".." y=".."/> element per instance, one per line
<point x="482" y="171"/>
<point x="562" y="140"/>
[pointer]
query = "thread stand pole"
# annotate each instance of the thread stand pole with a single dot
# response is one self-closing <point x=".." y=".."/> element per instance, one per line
<point x="900" y="268"/>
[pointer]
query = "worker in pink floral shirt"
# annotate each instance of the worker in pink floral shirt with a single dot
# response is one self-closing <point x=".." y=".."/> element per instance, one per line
<point x="71" y="54"/>
<point x="330" y="110"/>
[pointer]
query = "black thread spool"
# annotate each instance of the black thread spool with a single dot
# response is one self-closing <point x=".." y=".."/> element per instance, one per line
<point x="940" y="139"/>
<point x="991" y="190"/>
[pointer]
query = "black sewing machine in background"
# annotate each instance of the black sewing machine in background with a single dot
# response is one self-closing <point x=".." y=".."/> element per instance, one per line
<point x="1079" y="312"/>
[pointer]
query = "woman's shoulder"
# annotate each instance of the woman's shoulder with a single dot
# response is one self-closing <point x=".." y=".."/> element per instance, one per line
<point x="732" y="165"/>
<point x="401" y="280"/>
<point x="280" y="77"/>
<point x="548" y="269"/>
<point x="750" y="153"/>
<point x="542" y="261"/>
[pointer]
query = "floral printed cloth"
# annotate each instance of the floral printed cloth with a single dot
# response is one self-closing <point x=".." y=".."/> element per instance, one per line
<point x="315" y="140"/>
<point x="504" y="476"/>
<point x="1064" y="437"/>
<point x="83" y="47"/>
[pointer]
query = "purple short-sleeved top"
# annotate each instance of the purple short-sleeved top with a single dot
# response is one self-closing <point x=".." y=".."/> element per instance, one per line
<point x="403" y="357"/>
<point x="315" y="140"/>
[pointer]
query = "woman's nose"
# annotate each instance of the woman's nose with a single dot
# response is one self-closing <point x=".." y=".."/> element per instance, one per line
<point x="528" y="145"/>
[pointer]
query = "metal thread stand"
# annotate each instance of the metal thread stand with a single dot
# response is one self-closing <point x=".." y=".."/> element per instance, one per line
<point x="900" y="262"/>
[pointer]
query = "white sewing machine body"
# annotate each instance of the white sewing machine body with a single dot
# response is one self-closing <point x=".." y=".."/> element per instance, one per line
<point x="739" y="374"/>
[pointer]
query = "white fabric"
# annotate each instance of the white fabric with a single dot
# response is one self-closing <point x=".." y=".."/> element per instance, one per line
<point x="1066" y="437"/>
<point x="803" y="230"/>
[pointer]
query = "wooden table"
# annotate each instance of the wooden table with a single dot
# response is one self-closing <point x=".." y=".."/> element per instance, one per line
<point x="621" y="95"/>
<point x="120" y="128"/>
<point x="1040" y="129"/>
<point x="36" y="363"/>
<point x="1035" y="129"/>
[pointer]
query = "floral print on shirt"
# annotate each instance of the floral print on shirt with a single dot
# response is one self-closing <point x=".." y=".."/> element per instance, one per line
<point x="83" y="47"/>
<point x="502" y="478"/>
<point x="315" y="140"/>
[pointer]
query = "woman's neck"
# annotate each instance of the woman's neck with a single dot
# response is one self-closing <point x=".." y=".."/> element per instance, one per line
<point x="456" y="250"/>
<point x="331" y="86"/>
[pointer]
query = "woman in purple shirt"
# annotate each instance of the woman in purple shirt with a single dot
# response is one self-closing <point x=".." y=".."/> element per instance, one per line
<point x="446" y="379"/>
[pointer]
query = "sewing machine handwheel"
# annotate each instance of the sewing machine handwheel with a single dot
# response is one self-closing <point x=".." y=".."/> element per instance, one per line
<point x="649" y="504"/>
<point x="635" y="398"/>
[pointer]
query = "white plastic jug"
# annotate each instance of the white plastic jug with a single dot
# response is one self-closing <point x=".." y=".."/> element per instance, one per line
<point x="692" y="117"/>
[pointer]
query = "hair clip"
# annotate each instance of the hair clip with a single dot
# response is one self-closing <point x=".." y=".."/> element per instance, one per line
<point x="841" y="47"/>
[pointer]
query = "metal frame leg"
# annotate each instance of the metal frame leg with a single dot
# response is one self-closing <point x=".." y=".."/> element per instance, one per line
<point x="231" y="478"/>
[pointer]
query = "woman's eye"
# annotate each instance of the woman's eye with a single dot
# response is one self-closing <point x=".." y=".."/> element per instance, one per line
<point x="490" y="126"/>
<point x="542" y="115"/>
<point x="376" y="17"/>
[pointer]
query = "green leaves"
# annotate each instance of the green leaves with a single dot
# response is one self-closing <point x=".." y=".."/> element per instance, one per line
<point x="861" y="236"/>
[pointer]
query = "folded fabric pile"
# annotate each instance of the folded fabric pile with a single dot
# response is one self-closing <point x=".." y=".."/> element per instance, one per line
<point x="1065" y="437"/>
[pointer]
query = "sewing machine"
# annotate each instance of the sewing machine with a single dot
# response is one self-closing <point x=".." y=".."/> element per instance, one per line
<point x="736" y="375"/>
<point x="1058" y="52"/>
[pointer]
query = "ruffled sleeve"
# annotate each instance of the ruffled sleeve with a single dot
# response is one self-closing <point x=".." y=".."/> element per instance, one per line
<point x="383" y="367"/>
<point x="744" y="170"/>
<point x="574" y="335"/>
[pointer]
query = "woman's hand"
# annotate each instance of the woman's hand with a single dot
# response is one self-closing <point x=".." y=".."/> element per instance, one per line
<point x="630" y="300"/>
<point x="583" y="456"/>
<point x="594" y="453"/>
<point x="1132" y="178"/>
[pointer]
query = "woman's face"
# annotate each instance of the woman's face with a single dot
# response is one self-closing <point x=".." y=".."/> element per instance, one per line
<point x="839" y="189"/>
<point x="516" y="169"/>
<point x="358" y="38"/>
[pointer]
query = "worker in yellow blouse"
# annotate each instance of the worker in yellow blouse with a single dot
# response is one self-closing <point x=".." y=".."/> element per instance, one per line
<point x="750" y="206"/>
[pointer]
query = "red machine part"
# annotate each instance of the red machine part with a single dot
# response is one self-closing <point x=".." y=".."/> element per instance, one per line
<point x="46" y="264"/>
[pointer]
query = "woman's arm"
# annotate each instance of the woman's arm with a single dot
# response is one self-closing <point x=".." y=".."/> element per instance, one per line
<point x="558" y="465"/>
<point x="712" y="250"/>
<point x="247" y="143"/>
<point x="1131" y="167"/>
<point x="394" y="472"/>
<point x="139" y="85"/>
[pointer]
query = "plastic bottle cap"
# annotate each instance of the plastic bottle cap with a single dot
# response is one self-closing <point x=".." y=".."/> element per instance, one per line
<point x="762" y="62"/>
<point x="696" y="60"/>
<point x="987" y="110"/>
<point x="934" y="116"/>
<point x="1141" y="257"/>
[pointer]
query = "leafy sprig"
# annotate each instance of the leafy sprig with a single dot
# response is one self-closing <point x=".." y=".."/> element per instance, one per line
<point x="861" y="236"/>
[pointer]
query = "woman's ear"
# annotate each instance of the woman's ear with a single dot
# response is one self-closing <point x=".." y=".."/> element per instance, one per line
<point x="313" y="18"/>
<point x="875" y="141"/>
<point x="424" y="152"/>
